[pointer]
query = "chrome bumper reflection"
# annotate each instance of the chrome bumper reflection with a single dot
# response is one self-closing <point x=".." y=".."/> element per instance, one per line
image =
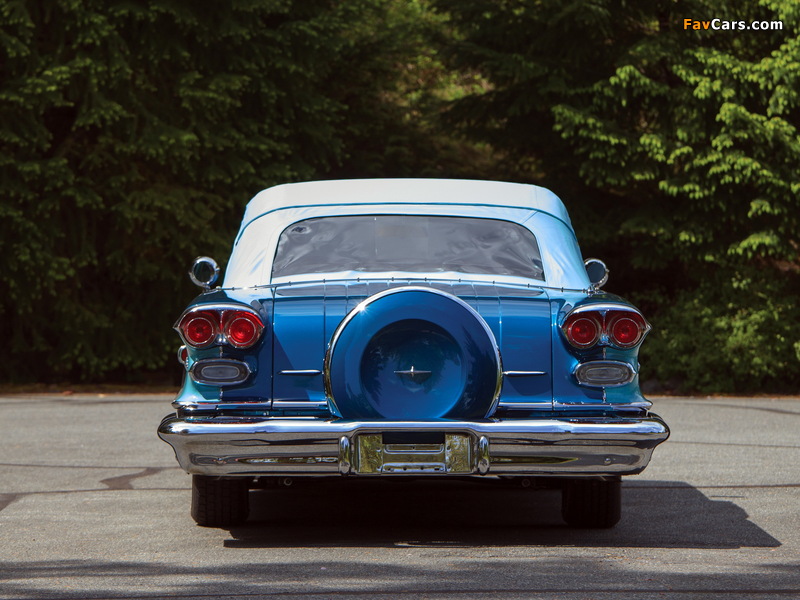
<point x="308" y="446"/>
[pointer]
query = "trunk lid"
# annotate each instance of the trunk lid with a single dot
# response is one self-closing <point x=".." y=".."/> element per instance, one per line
<point x="305" y="317"/>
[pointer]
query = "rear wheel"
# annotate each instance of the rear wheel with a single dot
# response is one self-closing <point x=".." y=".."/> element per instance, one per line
<point x="591" y="503"/>
<point x="219" y="502"/>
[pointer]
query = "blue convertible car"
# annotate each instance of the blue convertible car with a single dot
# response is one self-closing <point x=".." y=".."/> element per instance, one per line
<point x="409" y="328"/>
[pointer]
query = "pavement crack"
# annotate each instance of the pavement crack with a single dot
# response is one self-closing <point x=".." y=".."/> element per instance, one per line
<point x="741" y="445"/>
<point x="58" y="466"/>
<point x="779" y="411"/>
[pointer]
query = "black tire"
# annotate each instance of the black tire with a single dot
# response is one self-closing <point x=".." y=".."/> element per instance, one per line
<point x="591" y="503"/>
<point x="219" y="502"/>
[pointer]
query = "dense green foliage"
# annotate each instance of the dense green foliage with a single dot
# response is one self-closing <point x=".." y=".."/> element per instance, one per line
<point x="133" y="132"/>
<point x="676" y="151"/>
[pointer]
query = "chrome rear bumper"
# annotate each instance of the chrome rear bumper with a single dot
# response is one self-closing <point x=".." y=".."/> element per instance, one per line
<point x="309" y="446"/>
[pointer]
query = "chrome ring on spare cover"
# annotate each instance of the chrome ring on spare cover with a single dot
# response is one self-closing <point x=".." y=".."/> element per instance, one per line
<point x="413" y="353"/>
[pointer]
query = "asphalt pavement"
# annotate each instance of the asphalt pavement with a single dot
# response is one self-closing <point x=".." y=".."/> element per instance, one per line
<point x="93" y="505"/>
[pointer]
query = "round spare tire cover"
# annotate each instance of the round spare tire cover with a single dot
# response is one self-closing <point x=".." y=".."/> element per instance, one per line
<point x="413" y="353"/>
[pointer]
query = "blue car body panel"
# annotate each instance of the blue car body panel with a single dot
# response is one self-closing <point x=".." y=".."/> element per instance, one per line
<point x="302" y="321"/>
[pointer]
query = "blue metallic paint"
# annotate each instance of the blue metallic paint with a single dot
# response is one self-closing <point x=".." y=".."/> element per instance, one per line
<point x="526" y="345"/>
<point x="300" y="326"/>
<point x="298" y="343"/>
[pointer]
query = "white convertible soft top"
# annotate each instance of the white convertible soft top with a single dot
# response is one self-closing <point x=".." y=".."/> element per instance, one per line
<point x="271" y="211"/>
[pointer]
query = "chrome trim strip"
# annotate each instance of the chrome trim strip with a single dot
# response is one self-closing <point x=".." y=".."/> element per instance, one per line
<point x="637" y="406"/>
<point x="300" y="372"/>
<point x="213" y="405"/>
<point x="548" y="406"/>
<point x="542" y="406"/>
<point x="244" y="405"/>
<point x="577" y="406"/>
<point x="524" y="373"/>
<point x="604" y="307"/>
<point x="378" y="279"/>
<point x="574" y="446"/>
<point x="299" y="404"/>
<point x="222" y="306"/>
<point x="490" y="280"/>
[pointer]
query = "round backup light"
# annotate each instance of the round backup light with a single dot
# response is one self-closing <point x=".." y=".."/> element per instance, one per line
<point x="625" y="331"/>
<point x="242" y="329"/>
<point x="199" y="330"/>
<point x="582" y="331"/>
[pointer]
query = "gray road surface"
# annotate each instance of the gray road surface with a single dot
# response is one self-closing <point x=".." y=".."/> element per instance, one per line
<point x="92" y="505"/>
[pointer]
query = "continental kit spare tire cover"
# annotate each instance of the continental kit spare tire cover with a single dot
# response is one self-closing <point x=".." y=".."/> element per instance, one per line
<point x="413" y="353"/>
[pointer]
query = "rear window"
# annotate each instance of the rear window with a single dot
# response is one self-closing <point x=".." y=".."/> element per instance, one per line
<point x="417" y="244"/>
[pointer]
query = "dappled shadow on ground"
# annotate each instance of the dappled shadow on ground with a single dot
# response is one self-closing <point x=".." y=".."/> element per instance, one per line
<point x="381" y="513"/>
<point x="506" y="578"/>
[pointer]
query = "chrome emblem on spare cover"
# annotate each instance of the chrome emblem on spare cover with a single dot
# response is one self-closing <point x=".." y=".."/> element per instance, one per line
<point x="414" y="375"/>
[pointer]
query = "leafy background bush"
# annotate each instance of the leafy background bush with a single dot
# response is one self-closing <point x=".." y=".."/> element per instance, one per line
<point x="133" y="133"/>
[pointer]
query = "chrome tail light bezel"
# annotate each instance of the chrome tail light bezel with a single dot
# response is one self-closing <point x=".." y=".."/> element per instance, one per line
<point x="198" y="315"/>
<point x="613" y="318"/>
<point x="221" y="316"/>
<point x="605" y="316"/>
<point x="230" y="317"/>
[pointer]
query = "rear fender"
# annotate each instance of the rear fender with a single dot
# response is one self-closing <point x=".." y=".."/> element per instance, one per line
<point x="567" y="391"/>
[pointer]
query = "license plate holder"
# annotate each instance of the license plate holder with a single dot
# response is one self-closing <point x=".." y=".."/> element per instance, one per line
<point x="442" y="454"/>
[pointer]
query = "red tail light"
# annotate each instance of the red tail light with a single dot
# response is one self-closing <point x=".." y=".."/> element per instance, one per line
<point x="582" y="330"/>
<point x="604" y="325"/>
<point x="625" y="329"/>
<point x="239" y="328"/>
<point x="242" y="328"/>
<point x="200" y="328"/>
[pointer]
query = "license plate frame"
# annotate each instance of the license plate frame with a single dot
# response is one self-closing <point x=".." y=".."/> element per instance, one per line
<point x="453" y="456"/>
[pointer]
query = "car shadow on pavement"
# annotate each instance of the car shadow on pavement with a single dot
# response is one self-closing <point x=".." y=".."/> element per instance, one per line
<point x="332" y="513"/>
